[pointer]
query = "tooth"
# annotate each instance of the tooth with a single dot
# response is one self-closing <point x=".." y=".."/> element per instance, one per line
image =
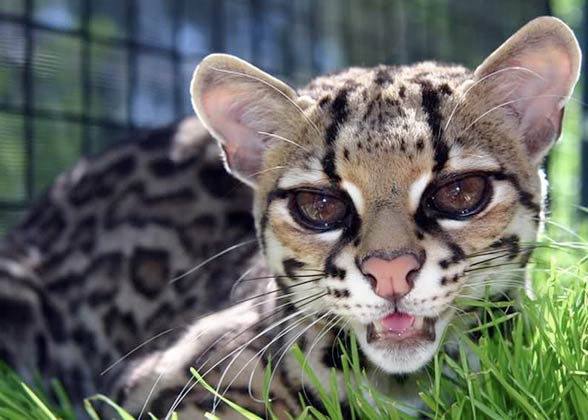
<point x="418" y="323"/>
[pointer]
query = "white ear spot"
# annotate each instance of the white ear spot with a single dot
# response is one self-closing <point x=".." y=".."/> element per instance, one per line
<point x="416" y="191"/>
<point x="356" y="196"/>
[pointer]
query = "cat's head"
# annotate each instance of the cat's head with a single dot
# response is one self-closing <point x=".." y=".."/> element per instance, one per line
<point x="383" y="195"/>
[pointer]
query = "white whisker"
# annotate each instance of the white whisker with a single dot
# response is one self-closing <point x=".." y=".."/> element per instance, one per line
<point x="214" y="257"/>
<point x="155" y="337"/>
<point x="267" y="170"/>
<point x="265" y="133"/>
<point x="289" y="345"/>
<point x="190" y="387"/>
<point x="494" y="108"/>
<point x="483" y="79"/>
<point x="257" y="356"/>
<point x="272" y="312"/>
<point x="238" y="282"/>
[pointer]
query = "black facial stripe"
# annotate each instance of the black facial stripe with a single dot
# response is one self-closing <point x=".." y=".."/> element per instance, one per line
<point x="526" y="256"/>
<point x="329" y="167"/>
<point x="457" y="255"/>
<point x="332" y="270"/>
<point x="425" y="222"/>
<point x="339" y="112"/>
<point x="350" y="232"/>
<point x="291" y="265"/>
<point x="441" y="155"/>
<point x="276" y="194"/>
<point x="430" y="102"/>
<point x="509" y="243"/>
<point x="525" y="197"/>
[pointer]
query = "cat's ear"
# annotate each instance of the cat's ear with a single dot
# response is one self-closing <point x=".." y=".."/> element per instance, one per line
<point x="240" y="104"/>
<point x="533" y="74"/>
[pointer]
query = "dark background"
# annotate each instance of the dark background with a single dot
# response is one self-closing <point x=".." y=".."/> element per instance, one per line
<point x="78" y="75"/>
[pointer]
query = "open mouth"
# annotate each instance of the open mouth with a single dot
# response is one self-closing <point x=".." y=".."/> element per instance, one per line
<point x="401" y="328"/>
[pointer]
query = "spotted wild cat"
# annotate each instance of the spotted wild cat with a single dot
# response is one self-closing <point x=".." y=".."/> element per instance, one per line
<point x="380" y="197"/>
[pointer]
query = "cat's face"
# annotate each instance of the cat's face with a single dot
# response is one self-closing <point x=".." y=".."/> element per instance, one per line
<point x="385" y="195"/>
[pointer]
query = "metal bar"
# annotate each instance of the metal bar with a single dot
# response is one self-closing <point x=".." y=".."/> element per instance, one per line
<point x="256" y="30"/>
<point x="14" y="205"/>
<point x="345" y="33"/>
<point x="289" y="57"/>
<point x="27" y="87"/>
<point x="179" y="89"/>
<point x="87" y="141"/>
<point x="218" y="29"/>
<point x="132" y="60"/>
<point x="313" y="38"/>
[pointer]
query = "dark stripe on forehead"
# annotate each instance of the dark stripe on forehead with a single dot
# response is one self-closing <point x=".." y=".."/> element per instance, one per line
<point x="431" y="102"/>
<point x="328" y="164"/>
<point x="339" y="112"/>
<point x="441" y="155"/>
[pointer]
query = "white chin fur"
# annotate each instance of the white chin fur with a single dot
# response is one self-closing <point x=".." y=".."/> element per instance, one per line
<point x="406" y="360"/>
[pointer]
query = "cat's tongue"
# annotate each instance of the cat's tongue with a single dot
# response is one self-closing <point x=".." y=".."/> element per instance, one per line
<point x="398" y="322"/>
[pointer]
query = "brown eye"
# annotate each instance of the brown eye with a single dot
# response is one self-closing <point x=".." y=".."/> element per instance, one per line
<point x="318" y="210"/>
<point x="461" y="198"/>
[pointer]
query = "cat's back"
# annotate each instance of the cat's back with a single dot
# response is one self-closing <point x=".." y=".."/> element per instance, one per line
<point x="102" y="260"/>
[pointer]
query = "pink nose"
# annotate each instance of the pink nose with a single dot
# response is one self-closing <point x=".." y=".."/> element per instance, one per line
<point x="393" y="277"/>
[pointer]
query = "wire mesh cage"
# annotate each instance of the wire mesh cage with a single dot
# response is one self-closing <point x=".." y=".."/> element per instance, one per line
<point x="78" y="75"/>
